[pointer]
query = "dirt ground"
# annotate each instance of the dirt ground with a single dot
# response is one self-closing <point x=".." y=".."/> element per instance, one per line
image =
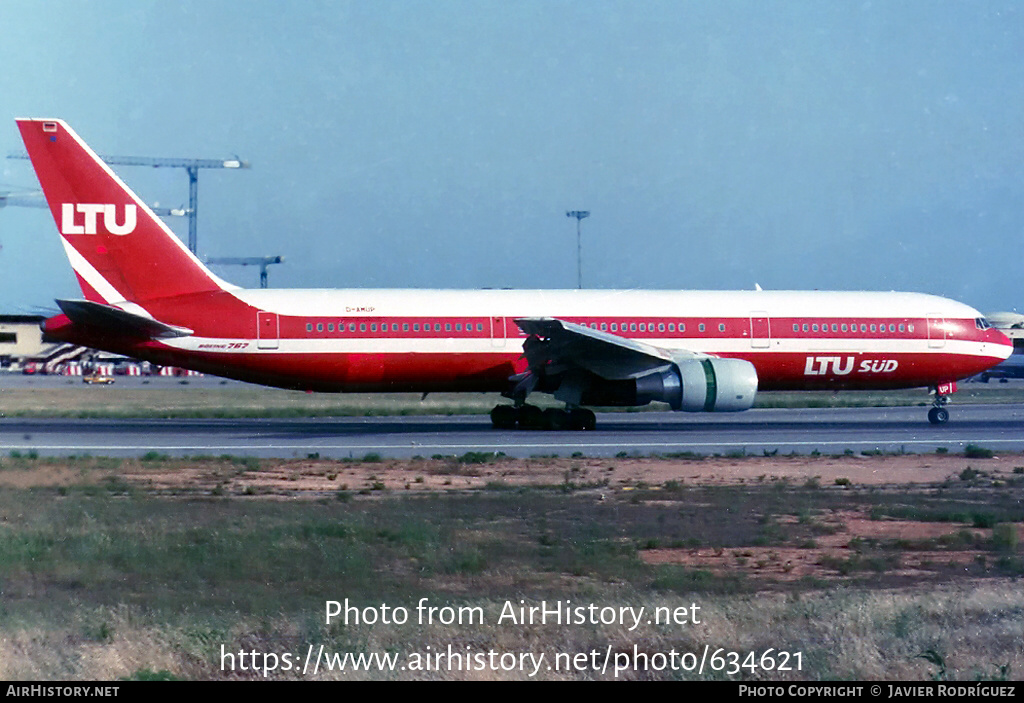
<point x="606" y="479"/>
<point x="314" y="477"/>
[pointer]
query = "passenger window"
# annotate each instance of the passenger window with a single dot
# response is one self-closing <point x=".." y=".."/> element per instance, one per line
<point x="661" y="326"/>
<point x="615" y="327"/>
<point x="643" y="327"/>
<point x="405" y="326"/>
<point x="814" y="327"/>
<point x="330" y="327"/>
<point x="479" y="327"/>
<point x="309" y="326"/>
<point x="863" y="327"/>
<point x="805" y="327"/>
<point x="721" y="327"/>
<point x="835" y="327"/>
<point x="447" y="327"/>
<point x="416" y="327"/>
<point x="319" y="327"/>
<point x="362" y="326"/>
<point x="671" y="327"/>
<point x="700" y="327"/>
<point x="604" y="326"/>
<point x="872" y="328"/>
<point x="373" y="327"/>
<point x="903" y="328"/>
<point x="458" y="326"/>
<point x="632" y="327"/>
<point x="844" y="327"/>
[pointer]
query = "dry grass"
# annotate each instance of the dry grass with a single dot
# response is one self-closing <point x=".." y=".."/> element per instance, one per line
<point x="163" y="400"/>
<point x="115" y="568"/>
<point x="848" y="634"/>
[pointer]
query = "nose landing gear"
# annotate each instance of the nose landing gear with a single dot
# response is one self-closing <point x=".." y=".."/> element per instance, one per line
<point x="937" y="414"/>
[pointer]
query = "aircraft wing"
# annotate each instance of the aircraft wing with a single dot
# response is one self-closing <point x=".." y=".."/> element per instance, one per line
<point x="115" y="320"/>
<point x="556" y="345"/>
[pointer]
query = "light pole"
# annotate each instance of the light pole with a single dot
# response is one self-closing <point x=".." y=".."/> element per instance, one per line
<point x="579" y="215"/>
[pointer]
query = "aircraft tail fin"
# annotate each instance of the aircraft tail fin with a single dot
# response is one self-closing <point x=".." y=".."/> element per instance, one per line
<point x="119" y="249"/>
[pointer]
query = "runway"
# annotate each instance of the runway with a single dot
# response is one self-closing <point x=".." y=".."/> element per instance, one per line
<point x="801" y="431"/>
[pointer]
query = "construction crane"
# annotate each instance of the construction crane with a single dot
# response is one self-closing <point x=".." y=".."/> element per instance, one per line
<point x="34" y="198"/>
<point x="191" y="166"/>
<point x="261" y="261"/>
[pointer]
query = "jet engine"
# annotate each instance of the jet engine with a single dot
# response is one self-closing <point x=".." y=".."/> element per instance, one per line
<point x="690" y="384"/>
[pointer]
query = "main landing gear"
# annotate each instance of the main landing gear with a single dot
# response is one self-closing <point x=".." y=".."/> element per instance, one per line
<point x="530" y="417"/>
<point x="937" y="414"/>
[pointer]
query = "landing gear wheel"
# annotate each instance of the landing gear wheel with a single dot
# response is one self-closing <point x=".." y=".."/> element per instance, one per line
<point x="504" y="417"/>
<point x="531" y="418"/>
<point x="938" y="416"/>
<point x="582" y="419"/>
<point x="555" y="419"/>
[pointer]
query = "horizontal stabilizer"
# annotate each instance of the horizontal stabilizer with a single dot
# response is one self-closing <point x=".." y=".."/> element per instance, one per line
<point x="116" y="320"/>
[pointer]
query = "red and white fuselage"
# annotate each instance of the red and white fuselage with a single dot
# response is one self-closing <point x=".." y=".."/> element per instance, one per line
<point x="131" y="266"/>
<point x="447" y="340"/>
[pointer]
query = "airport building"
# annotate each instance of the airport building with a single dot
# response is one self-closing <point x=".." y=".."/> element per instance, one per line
<point x="21" y="338"/>
<point x="1012" y="325"/>
<point x="23" y="347"/>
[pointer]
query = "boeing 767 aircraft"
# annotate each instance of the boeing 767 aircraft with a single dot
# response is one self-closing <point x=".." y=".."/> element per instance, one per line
<point x="147" y="296"/>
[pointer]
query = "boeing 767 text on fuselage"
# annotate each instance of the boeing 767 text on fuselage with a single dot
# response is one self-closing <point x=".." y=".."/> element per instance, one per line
<point x="147" y="296"/>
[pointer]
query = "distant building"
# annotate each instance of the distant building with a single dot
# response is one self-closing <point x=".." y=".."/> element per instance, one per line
<point x="1006" y="320"/>
<point x="1012" y="325"/>
<point x="21" y="338"/>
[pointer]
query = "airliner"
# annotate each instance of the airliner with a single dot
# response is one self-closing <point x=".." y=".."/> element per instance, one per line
<point x="147" y="296"/>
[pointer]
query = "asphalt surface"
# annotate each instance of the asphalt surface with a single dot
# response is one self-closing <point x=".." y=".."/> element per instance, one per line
<point x="803" y="431"/>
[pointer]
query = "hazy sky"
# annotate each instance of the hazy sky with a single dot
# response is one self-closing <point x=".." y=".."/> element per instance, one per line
<point x="847" y="145"/>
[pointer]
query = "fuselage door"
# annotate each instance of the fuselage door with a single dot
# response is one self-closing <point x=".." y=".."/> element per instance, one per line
<point x="936" y="332"/>
<point x="267" y="330"/>
<point x="760" y="330"/>
<point x="497" y="331"/>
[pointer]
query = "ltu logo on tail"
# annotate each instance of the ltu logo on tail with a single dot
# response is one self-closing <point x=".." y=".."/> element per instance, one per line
<point x="87" y="224"/>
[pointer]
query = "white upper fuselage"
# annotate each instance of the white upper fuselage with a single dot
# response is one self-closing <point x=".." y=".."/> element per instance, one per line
<point x="371" y="302"/>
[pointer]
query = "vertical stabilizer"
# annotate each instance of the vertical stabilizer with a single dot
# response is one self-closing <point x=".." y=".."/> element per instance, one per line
<point x="118" y="248"/>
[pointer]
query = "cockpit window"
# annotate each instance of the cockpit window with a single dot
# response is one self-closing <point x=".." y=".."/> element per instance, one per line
<point x="981" y="323"/>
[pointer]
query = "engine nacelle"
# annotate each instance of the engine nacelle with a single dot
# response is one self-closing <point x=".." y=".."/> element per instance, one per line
<point x="701" y="385"/>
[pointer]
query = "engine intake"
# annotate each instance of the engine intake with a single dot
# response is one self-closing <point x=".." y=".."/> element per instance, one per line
<point x="715" y="385"/>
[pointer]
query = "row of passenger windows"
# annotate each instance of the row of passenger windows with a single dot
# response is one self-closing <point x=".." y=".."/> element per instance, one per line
<point x="853" y="328"/>
<point x="458" y="327"/>
<point x="645" y="327"/>
<point x="394" y="327"/>
<point x="604" y="327"/>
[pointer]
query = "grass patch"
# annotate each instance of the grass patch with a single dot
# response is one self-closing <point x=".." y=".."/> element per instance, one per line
<point x="973" y="451"/>
<point x="91" y="566"/>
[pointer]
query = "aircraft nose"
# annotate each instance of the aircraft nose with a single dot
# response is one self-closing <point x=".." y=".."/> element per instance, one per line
<point x="1002" y="344"/>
